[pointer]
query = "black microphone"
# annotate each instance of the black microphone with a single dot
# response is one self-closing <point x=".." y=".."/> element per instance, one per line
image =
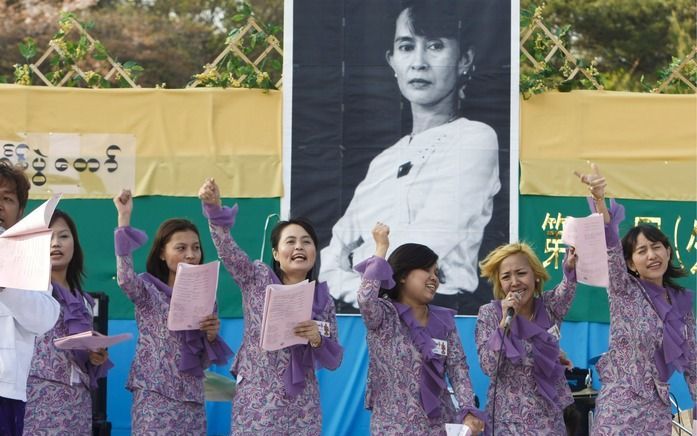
<point x="509" y="316"/>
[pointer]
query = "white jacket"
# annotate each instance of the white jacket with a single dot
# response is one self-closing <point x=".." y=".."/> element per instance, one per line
<point x="437" y="189"/>
<point x="23" y="316"/>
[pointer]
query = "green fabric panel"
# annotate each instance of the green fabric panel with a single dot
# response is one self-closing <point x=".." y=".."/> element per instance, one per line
<point x="591" y="303"/>
<point x="96" y="220"/>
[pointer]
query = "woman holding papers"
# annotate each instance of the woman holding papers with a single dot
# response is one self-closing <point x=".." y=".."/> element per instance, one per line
<point x="412" y="345"/>
<point x="277" y="391"/>
<point x="517" y="338"/>
<point x="652" y="326"/>
<point x="58" y="391"/>
<point x="166" y="376"/>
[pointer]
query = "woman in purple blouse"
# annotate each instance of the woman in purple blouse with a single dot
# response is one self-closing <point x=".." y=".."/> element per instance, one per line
<point x="652" y="326"/>
<point x="412" y="344"/>
<point x="528" y="391"/>
<point x="277" y="391"/>
<point x="166" y="376"/>
<point x="58" y="389"/>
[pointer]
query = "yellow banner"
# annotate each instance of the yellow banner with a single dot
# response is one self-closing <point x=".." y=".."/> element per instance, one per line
<point x="645" y="144"/>
<point x="89" y="143"/>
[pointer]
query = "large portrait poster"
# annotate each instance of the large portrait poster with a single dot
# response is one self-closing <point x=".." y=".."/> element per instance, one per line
<point x="400" y="112"/>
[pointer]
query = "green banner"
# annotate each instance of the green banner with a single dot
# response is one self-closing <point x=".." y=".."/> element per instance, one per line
<point x="542" y="220"/>
<point x="96" y="220"/>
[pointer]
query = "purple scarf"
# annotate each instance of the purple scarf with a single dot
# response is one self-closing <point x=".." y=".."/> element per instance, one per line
<point x="673" y="354"/>
<point x="440" y="323"/>
<point x="196" y="351"/>
<point x="77" y="319"/>
<point x="547" y="369"/>
<point x="302" y="360"/>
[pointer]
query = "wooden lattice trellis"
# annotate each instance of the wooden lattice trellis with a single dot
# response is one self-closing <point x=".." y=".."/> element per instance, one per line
<point x="116" y="68"/>
<point x="234" y="46"/>
<point x="678" y="74"/>
<point x="536" y="25"/>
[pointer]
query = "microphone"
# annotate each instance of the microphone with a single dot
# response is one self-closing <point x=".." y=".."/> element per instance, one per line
<point x="509" y="316"/>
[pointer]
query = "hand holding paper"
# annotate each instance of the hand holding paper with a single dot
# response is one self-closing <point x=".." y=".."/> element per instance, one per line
<point x="26" y="248"/>
<point x="285" y="306"/>
<point x="193" y="295"/>
<point x="587" y="236"/>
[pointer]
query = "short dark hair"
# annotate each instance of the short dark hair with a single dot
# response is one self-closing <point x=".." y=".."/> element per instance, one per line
<point x="15" y="177"/>
<point x="154" y="263"/>
<point x="404" y="260"/>
<point x="306" y="224"/>
<point x="76" y="271"/>
<point x="653" y="234"/>
<point x="438" y="19"/>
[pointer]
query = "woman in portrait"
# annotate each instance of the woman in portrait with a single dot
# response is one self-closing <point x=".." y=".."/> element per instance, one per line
<point x="436" y="185"/>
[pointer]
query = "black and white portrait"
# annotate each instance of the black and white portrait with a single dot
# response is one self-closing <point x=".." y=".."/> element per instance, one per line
<point x="401" y="114"/>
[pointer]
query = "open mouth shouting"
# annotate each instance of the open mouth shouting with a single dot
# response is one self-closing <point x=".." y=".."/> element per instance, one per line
<point x="298" y="257"/>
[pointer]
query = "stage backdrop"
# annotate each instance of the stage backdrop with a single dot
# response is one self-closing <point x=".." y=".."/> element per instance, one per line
<point x="541" y="218"/>
<point x="361" y="80"/>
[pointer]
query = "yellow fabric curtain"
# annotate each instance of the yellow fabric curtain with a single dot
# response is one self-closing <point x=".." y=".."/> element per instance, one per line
<point x="170" y="139"/>
<point x="645" y="144"/>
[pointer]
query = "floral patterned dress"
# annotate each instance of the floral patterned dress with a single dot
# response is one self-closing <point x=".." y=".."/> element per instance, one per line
<point x="406" y="388"/>
<point x="277" y="391"/>
<point x="58" y="389"/>
<point x="166" y="375"/>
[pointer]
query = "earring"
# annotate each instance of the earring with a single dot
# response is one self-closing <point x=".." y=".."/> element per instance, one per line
<point x="466" y="77"/>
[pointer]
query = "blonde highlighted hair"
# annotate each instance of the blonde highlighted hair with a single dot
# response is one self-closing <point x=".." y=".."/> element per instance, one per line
<point x="492" y="263"/>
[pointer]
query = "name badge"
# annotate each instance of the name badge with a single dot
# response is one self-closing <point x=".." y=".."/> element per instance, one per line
<point x="324" y="329"/>
<point x="554" y="331"/>
<point x="440" y="348"/>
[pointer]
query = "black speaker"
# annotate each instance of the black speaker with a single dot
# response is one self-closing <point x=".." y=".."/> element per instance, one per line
<point x="100" y="425"/>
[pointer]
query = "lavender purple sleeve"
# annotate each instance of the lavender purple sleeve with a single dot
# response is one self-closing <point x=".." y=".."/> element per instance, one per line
<point x="558" y="301"/>
<point x="95" y="372"/>
<point x="376" y="268"/>
<point x="458" y="373"/>
<point x="487" y="327"/>
<point x="221" y="216"/>
<point x="126" y="240"/>
<point x="376" y="271"/>
<point x="217" y="351"/>
<point x="235" y="260"/>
